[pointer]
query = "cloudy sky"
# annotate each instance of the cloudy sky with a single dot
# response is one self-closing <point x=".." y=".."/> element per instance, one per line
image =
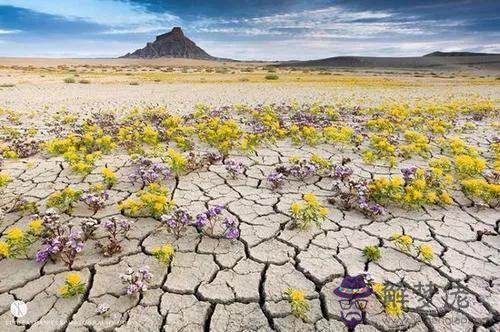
<point x="250" y="29"/>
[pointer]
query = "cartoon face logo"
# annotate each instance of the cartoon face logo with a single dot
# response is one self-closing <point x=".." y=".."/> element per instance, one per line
<point x="351" y="293"/>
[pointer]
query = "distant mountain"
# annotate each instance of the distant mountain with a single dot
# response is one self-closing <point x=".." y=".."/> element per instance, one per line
<point x="438" y="53"/>
<point x="432" y="60"/>
<point x="173" y="44"/>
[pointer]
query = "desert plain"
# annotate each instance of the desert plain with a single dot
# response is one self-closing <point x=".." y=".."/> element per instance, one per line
<point x="210" y="134"/>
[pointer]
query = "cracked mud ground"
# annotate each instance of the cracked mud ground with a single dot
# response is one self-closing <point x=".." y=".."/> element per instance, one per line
<point x="238" y="285"/>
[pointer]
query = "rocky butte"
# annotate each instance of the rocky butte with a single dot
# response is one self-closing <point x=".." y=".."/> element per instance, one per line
<point x="173" y="44"/>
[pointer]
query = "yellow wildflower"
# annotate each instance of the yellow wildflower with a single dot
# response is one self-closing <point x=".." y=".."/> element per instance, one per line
<point x="323" y="211"/>
<point x="296" y="207"/>
<point x="15" y="234"/>
<point x="4" y="249"/>
<point x="36" y="225"/>
<point x="311" y="199"/>
<point x="296" y="295"/>
<point x="426" y="251"/>
<point x="73" y="278"/>
<point x="378" y="288"/>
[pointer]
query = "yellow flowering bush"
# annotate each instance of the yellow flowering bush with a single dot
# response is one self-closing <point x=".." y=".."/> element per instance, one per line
<point x="426" y="252"/>
<point x="482" y="189"/>
<point x="164" y="254"/>
<point x="152" y="200"/>
<point x="417" y="143"/>
<point x="82" y="150"/>
<point x="176" y="130"/>
<point x="307" y="134"/>
<point x="308" y="212"/>
<point x="4" y="179"/>
<point x="64" y="200"/>
<point x="469" y="166"/>
<point x="298" y="303"/>
<point x="221" y="134"/>
<point x="421" y="187"/>
<point x="403" y="242"/>
<point x="380" y="149"/>
<point x="109" y="176"/>
<point x="73" y="286"/>
<point x="176" y="162"/>
<point x="343" y="135"/>
<point x="18" y="241"/>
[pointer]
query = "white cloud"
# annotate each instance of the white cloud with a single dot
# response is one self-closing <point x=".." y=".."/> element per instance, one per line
<point x="8" y="32"/>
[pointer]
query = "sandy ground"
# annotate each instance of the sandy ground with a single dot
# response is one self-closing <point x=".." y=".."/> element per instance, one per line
<point x="181" y="97"/>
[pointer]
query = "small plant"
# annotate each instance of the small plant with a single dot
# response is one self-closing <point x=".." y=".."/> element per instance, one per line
<point x="176" y="162"/>
<point x="88" y="227"/>
<point x="231" y="225"/>
<point x="60" y="240"/>
<point x="69" y="80"/>
<point x="308" y="212"/>
<point x="136" y="282"/>
<point x="95" y="197"/>
<point x="149" y="171"/>
<point x="234" y="167"/>
<point x="271" y="77"/>
<point x="152" y="200"/>
<point x="482" y="189"/>
<point x="372" y="253"/>
<point x="177" y="221"/>
<point x="64" y="200"/>
<point x="276" y="180"/>
<point x="164" y="254"/>
<point x="403" y="242"/>
<point x="4" y="179"/>
<point x="206" y="221"/>
<point x="298" y="303"/>
<point x="18" y="241"/>
<point x="73" y="286"/>
<point x="426" y="252"/>
<point x="116" y="230"/>
<point x="109" y="177"/>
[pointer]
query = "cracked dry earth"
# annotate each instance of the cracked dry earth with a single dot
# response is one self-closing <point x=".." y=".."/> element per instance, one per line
<point x="238" y="285"/>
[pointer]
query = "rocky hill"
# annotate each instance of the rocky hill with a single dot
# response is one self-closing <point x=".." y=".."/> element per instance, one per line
<point x="173" y="44"/>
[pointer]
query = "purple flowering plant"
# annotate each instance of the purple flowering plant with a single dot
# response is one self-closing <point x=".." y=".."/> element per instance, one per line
<point x="234" y="167"/>
<point x="149" y="171"/>
<point x="94" y="198"/>
<point x="177" y="221"/>
<point x="116" y="230"/>
<point x="60" y="240"/>
<point x="136" y="282"/>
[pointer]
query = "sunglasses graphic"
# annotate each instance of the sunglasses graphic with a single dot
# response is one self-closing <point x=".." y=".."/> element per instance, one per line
<point x="347" y="304"/>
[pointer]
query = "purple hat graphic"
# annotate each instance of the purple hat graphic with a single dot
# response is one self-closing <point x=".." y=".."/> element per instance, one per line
<point x="353" y="287"/>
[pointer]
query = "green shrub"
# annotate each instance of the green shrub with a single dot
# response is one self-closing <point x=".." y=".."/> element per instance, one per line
<point x="271" y="77"/>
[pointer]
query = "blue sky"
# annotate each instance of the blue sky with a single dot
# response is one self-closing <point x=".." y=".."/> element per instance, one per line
<point x="245" y="29"/>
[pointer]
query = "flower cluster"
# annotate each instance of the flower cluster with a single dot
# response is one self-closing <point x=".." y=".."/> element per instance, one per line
<point x="276" y="180"/>
<point x="231" y="225"/>
<point x="372" y="253"/>
<point x="221" y="134"/>
<point x="109" y="177"/>
<point x="4" y="179"/>
<point x="308" y="212"/>
<point x="207" y="220"/>
<point x="164" y="254"/>
<point x="177" y="221"/>
<point x="152" y="200"/>
<point x="176" y="161"/>
<point x="18" y="241"/>
<point x="60" y="240"/>
<point x="482" y="189"/>
<point x="64" y="200"/>
<point x="405" y="243"/>
<point x="95" y="198"/>
<point x="234" y="167"/>
<point x="136" y="282"/>
<point x="116" y="230"/>
<point x="416" y="187"/>
<point x="149" y="172"/>
<point x="73" y="286"/>
<point x="298" y="303"/>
